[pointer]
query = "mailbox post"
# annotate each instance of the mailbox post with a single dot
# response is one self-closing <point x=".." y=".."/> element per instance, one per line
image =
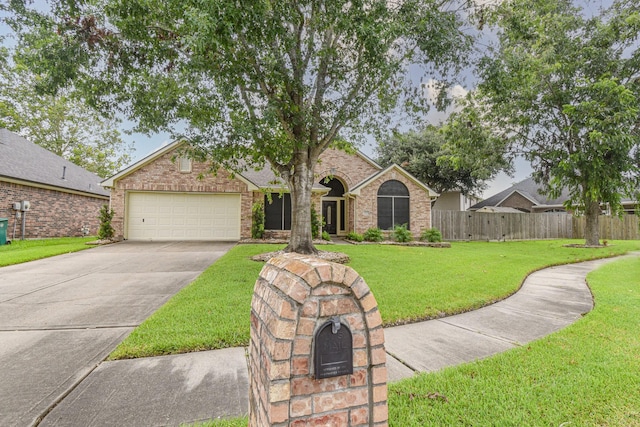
<point x="317" y="354"/>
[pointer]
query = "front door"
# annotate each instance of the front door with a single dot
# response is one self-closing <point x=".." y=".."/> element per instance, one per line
<point x="330" y="215"/>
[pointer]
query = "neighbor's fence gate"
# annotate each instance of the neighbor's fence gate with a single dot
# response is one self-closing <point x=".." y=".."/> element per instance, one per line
<point x="455" y="225"/>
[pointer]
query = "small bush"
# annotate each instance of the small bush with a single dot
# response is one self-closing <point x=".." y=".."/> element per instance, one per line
<point x="401" y="234"/>
<point x="432" y="235"/>
<point x="326" y="236"/>
<point x="316" y="223"/>
<point x="106" y="230"/>
<point x="373" y="235"/>
<point x="257" y="221"/>
<point x="354" y="236"/>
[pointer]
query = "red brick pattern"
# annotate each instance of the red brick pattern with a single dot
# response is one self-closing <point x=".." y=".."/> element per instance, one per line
<point x="293" y="297"/>
<point x="163" y="175"/>
<point x="52" y="213"/>
<point x="350" y="169"/>
<point x="366" y="215"/>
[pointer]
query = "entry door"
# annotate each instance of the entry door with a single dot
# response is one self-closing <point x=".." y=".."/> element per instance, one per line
<point x="330" y="215"/>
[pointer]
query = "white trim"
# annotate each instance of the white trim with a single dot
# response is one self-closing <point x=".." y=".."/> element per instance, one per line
<point x="532" y="200"/>
<point x="341" y="229"/>
<point x="356" y="190"/>
<point x="110" y="182"/>
<point x="181" y="163"/>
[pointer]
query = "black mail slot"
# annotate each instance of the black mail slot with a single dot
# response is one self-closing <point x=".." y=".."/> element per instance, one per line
<point x="333" y="350"/>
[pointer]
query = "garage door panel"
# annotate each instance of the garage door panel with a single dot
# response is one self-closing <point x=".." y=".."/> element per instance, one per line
<point x="169" y="216"/>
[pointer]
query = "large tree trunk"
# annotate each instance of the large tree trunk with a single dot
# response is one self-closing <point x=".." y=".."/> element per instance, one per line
<point x="592" y="228"/>
<point x="300" y="185"/>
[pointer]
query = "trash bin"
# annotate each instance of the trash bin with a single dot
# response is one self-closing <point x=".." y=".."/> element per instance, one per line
<point x="4" y="223"/>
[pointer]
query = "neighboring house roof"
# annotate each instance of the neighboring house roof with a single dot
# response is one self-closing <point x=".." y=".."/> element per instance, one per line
<point x="529" y="189"/>
<point x="498" y="209"/>
<point x="26" y="163"/>
<point x="356" y="190"/>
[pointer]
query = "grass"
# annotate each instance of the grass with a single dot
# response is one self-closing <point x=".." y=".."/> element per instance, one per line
<point x="584" y="375"/>
<point x="20" y="251"/>
<point x="410" y="283"/>
<point x="587" y="374"/>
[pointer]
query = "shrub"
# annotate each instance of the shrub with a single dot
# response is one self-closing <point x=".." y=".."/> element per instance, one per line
<point x="316" y="223"/>
<point x="431" y="235"/>
<point x="326" y="236"/>
<point x="373" y="235"/>
<point x="401" y="234"/>
<point x="352" y="235"/>
<point x="257" y="221"/>
<point x="106" y="230"/>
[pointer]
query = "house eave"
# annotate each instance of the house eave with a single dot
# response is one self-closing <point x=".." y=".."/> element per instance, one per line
<point x="356" y="190"/>
<point x="53" y="188"/>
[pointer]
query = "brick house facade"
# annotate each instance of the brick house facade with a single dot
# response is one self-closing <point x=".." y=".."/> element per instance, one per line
<point x="166" y="197"/>
<point x="65" y="199"/>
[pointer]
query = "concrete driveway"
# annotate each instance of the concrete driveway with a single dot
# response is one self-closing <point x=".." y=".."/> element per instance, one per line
<point x="61" y="316"/>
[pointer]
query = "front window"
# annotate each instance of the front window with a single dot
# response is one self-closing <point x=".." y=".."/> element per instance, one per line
<point x="277" y="214"/>
<point x="393" y="205"/>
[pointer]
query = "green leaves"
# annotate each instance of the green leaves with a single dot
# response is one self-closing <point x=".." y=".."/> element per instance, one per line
<point x="561" y="90"/>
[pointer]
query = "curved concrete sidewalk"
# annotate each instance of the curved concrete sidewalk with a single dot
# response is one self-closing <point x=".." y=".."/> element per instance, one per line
<point x="170" y="390"/>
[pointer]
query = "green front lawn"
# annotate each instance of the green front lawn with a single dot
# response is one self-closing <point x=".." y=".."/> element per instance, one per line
<point x="585" y="375"/>
<point x="410" y="284"/>
<point x="20" y="251"/>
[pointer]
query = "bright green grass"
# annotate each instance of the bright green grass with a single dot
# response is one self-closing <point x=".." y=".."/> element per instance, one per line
<point x="410" y="283"/>
<point x="585" y="375"/>
<point x="20" y="251"/>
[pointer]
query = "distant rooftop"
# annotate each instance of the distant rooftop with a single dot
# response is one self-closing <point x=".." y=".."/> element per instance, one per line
<point x="23" y="160"/>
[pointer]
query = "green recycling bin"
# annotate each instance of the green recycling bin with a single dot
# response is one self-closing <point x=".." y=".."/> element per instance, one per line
<point x="4" y="223"/>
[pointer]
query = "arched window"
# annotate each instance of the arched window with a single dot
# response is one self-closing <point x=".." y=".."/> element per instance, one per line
<point x="393" y="205"/>
<point x="337" y="189"/>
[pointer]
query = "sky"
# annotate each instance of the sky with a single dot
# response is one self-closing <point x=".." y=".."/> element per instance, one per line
<point x="147" y="144"/>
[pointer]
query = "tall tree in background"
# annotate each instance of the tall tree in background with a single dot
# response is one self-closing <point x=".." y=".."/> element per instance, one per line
<point x="563" y="90"/>
<point x="427" y="155"/>
<point x="273" y="81"/>
<point x="61" y="124"/>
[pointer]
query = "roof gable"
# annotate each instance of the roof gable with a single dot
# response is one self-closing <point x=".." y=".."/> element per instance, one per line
<point x="527" y="188"/>
<point x="257" y="178"/>
<point x="356" y="190"/>
<point x="23" y="160"/>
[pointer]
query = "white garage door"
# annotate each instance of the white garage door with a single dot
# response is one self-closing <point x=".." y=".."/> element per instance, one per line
<point x="173" y="216"/>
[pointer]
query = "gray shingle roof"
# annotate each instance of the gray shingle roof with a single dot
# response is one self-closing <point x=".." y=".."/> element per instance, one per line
<point x="529" y="189"/>
<point x="26" y="161"/>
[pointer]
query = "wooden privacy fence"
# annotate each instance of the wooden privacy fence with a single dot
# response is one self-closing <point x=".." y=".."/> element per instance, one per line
<point x="455" y="225"/>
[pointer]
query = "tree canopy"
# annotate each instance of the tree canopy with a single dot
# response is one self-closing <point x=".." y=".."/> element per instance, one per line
<point x="61" y="123"/>
<point x="273" y="81"/>
<point x="563" y="90"/>
<point x="428" y="156"/>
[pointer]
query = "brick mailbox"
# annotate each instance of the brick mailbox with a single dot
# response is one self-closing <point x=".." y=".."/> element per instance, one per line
<point x="317" y="354"/>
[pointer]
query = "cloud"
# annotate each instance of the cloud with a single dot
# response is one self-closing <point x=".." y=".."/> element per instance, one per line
<point x="433" y="88"/>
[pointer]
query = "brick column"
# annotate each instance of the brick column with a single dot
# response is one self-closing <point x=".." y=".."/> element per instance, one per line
<point x="293" y="297"/>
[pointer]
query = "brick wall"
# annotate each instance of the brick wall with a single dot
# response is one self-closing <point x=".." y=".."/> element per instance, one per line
<point x="366" y="212"/>
<point x="293" y="297"/>
<point x="351" y="169"/>
<point x="518" y="201"/>
<point x="163" y="175"/>
<point x="52" y="214"/>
